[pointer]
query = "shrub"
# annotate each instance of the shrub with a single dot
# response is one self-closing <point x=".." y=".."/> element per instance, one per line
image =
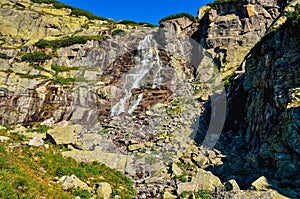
<point x="43" y="44"/>
<point x="127" y="22"/>
<point x="118" y="31"/>
<point x="175" y="16"/>
<point x="4" y="56"/>
<point x="36" y="57"/>
<point x="63" y="81"/>
<point x="294" y="17"/>
<point x="63" y="68"/>
<point x="67" y="41"/>
<point x="145" y="24"/>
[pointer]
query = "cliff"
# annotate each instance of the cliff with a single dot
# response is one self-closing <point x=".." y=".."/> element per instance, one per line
<point x="219" y="119"/>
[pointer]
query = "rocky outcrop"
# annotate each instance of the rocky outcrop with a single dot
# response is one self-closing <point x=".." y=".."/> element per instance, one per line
<point x="229" y="30"/>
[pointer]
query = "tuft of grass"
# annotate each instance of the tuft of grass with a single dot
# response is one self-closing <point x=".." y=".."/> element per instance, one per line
<point x="30" y="76"/>
<point x="36" y="57"/>
<point x="118" y="31"/>
<point x="4" y="56"/>
<point x="179" y="15"/>
<point x="39" y="129"/>
<point x="67" y="41"/>
<point x="63" y="81"/>
<point x="63" y="68"/>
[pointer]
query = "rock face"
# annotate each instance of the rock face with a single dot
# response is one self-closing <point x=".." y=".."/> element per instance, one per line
<point x="145" y="126"/>
<point x="229" y="30"/>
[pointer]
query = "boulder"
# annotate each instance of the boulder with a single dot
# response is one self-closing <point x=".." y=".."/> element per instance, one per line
<point x="103" y="190"/>
<point x="168" y="195"/>
<point x="72" y="182"/>
<point x="135" y="147"/>
<point x="261" y="184"/>
<point x="64" y="135"/>
<point x="4" y="138"/>
<point x="204" y="180"/>
<point x="231" y="185"/>
<point x="36" y="141"/>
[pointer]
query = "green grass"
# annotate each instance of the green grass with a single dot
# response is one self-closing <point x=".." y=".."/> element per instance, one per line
<point x="175" y="16"/>
<point x="74" y="11"/>
<point x="30" y="76"/>
<point x="67" y="41"/>
<point x="118" y="31"/>
<point x="36" y="57"/>
<point x="294" y="17"/>
<point x="4" y="56"/>
<point x="63" y="81"/>
<point x="63" y="68"/>
<point x="198" y="195"/>
<point x="21" y="175"/>
<point x="38" y="129"/>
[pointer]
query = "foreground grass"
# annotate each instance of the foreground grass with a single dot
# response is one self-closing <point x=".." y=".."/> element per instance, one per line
<point x="31" y="172"/>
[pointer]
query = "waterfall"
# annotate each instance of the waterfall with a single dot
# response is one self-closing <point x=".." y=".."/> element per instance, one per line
<point x="139" y="76"/>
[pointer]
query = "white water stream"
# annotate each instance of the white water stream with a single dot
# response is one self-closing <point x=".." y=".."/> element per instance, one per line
<point x="149" y="61"/>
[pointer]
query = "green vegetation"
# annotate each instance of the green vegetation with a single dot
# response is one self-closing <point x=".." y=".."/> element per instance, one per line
<point x="30" y="76"/>
<point x="118" y="31"/>
<point x="174" y="108"/>
<point x="63" y="81"/>
<point x="67" y="41"/>
<point x="198" y="195"/>
<point x="38" y="129"/>
<point x="145" y="24"/>
<point x="63" y="68"/>
<point x="174" y="16"/>
<point x="128" y="22"/>
<point x="294" y="17"/>
<point x="27" y="172"/>
<point x="36" y="57"/>
<point x="213" y="5"/>
<point x="226" y="80"/>
<point x="4" y="56"/>
<point x="74" y="11"/>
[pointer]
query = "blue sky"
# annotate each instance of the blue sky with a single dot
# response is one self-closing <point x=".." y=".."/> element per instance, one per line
<point x="140" y="11"/>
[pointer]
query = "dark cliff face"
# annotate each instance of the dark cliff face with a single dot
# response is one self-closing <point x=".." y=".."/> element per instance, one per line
<point x="263" y="118"/>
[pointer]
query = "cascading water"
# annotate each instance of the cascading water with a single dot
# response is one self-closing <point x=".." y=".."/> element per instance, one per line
<point x="149" y="61"/>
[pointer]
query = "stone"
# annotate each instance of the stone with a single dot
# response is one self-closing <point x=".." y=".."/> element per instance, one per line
<point x="36" y="141"/>
<point x="135" y="147"/>
<point x="261" y="184"/>
<point x="204" y="180"/>
<point x="200" y="160"/>
<point x="231" y="185"/>
<point x="168" y="195"/>
<point x="64" y="135"/>
<point x="103" y="190"/>
<point x="4" y="138"/>
<point x="72" y="182"/>
<point x="177" y="171"/>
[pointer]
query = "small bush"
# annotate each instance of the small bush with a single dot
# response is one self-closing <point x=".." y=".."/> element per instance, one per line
<point x="128" y="22"/>
<point x="36" y="57"/>
<point x="63" y="81"/>
<point x="63" y="68"/>
<point x="294" y="17"/>
<point x="39" y="129"/>
<point x="118" y="31"/>
<point x="145" y="24"/>
<point x="43" y="44"/>
<point x="175" y="16"/>
<point x="4" y="56"/>
<point x="29" y="76"/>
